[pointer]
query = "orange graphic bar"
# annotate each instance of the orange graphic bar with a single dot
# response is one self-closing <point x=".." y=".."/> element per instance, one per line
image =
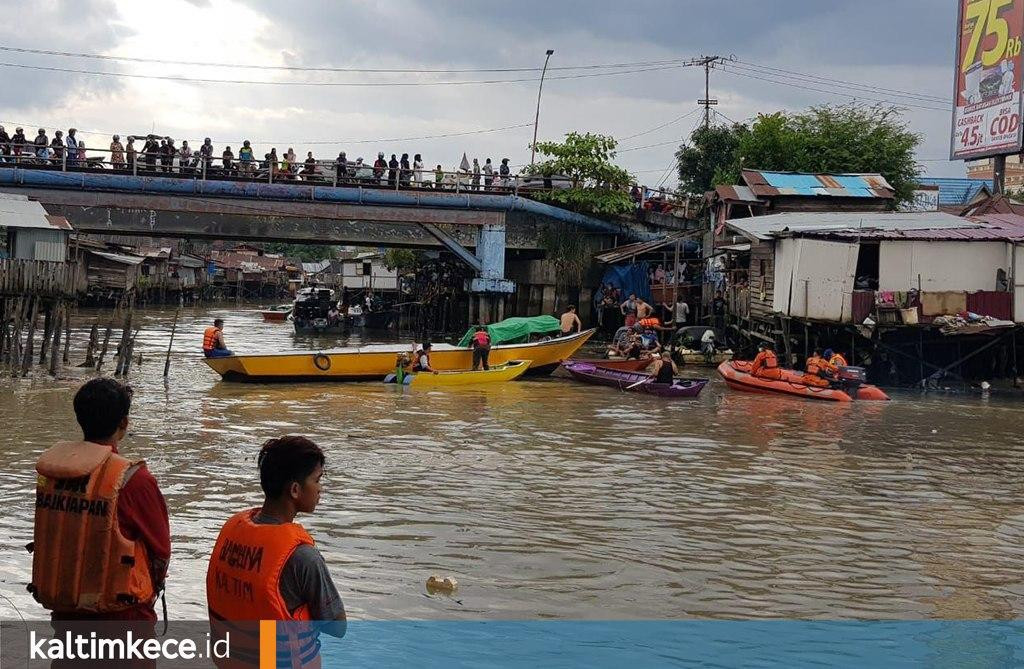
<point x="268" y="644"/>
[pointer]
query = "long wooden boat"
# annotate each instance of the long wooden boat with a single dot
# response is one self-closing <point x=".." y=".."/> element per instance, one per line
<point x="620" y="364"/>
<point x="369" y="363"/>
<point x="634" y="381"/>
<point x="738" y="377"/>
<point x="509" y="371"/>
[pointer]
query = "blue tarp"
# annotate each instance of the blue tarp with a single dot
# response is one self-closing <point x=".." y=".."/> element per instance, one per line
<point x="628" y="279"/>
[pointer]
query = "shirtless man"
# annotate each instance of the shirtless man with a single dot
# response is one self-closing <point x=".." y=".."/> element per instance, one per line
<point x="570" y="321"/>
<point x="643" y="310"/>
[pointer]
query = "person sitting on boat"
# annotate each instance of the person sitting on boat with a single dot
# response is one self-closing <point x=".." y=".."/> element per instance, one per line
<point x="570" y="322"/>
<point x="649" y="340"/>
<point x="421" y="361"/>
<point x="766" y="363"/>
<point x="213" y="341"/>
<point x="815" y="370"/>
<point x="332" y="315"/>
<point x="664" y="369"/>
<point x="835" y="359"/>
<point x="481" y="345"/>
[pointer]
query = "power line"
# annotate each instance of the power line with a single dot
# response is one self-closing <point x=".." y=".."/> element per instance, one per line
<point x="659" y="127"/>
<point x="298" y="68"/>
<point x="361" y="84"/>
<point x="866" y="87"/>
<point x="649" y="146"/>
<point x="724" y="116"/>
<point x="831" y="92"/>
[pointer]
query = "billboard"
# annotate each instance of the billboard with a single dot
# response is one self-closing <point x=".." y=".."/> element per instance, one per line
<point x="987" y="81"/>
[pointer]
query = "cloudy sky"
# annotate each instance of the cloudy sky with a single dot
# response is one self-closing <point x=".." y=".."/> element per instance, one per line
<point x="789" y="54"/>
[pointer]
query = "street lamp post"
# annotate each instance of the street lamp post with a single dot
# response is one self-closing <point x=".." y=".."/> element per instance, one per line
<point x="536" y="118"/>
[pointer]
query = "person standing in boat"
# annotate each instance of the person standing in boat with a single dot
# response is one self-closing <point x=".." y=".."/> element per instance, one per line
<point x="570" y="322"/>
<point x="481" y="344"/>
<point x="629" y="309"/>
<point x="213" y="341"/>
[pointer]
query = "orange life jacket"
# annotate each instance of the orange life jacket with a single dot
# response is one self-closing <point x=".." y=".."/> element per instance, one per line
<point x="649" y="322"/>
<point x="243" y="584"/>
<point x="814" y="365"/>
<point x="80" y="559"/>
<point x="837" y="360"/>
<point x="210" y="338"/>
<point x="482" y="339"/>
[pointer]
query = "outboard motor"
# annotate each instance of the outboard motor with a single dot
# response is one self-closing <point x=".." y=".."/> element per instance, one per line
<point x="851" y="379"/>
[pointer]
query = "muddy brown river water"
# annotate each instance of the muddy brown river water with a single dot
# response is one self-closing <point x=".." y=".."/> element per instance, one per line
<point x="549" y="499"/>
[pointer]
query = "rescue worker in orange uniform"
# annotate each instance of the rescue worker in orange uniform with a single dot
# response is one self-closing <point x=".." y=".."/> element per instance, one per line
<point x="835" y="359"/>
<point x="102" y="538"/>
<point x="814" y="370"/>
<point x="265" y="566"/>
<point x="766" y="363"/>
<point x="213" y="341"/>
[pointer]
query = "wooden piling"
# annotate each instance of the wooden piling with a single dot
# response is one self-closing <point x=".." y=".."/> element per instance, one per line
<point x="106" y="342"/>
<point x="47" y="332"/>
<point x="3" y="326"/>
<point x="128" y="355"/>
<point x="126" y="331"/>
<point x="14" y="359"/>
<point x="94" y="333"/>
<point x="26" y="361"/>
<point x="58" y="313"/>
<point x="174" y="326"/>
<point x="67" y="334"/>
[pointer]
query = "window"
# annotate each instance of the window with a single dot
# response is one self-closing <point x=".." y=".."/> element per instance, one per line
<point x="866" y="277"/>
<point x="367" y="269"/>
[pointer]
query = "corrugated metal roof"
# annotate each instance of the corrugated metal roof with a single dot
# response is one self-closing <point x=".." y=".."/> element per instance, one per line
<point x="760" y="228"/>
<point x="117" y="257"/>
<point x="17" y="211"/>
<point x="627" y="251"/>
<point x="992" y="227"/>
<point x="315" y="267"/>
<point x="771" y="184"/>
<point x="741" y="194"/>
<point x="954" y="191"/>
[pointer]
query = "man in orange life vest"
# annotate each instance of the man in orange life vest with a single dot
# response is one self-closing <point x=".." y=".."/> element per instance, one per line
<point x="835" y="359"/>
<point x="815" y="370"/>
<point x="766" y="364"/>
<point x="481" y="344"/>
<point x="213" y="341"/>
<point x="90" y="496"/>
<point x="265" y="566"/>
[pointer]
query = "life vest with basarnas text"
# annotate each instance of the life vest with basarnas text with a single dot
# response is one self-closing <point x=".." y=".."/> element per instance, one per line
<point x="243" y="584"/>
<point x="80" y="559"/>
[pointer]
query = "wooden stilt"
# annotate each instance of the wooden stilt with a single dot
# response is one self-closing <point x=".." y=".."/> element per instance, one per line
<point x="14" y="360"/>
<point x="47" y="332"/>
<point x="126" y="331"/>
<point x="26" y="361"/>
<point x="67" y="334"/>
<point x="93" y="336"/>
<point x="106" y="342"/>
<point x="174" y="326"/>
<point x="55" y="344"/>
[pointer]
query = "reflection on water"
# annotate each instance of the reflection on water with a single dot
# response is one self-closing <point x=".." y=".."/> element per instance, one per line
<point x="545" y="498"/>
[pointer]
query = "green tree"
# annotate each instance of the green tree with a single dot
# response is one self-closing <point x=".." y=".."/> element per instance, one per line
<point x="702" y="159"/>
<point x="304" y="252"/>
<point x="597" y="185"/>
<point x="828" y="139"/>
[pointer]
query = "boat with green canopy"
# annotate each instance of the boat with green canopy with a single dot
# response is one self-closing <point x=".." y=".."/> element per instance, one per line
<point x="516" y="330"/>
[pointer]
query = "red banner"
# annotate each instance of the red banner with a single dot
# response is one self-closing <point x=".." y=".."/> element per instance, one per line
<point x="987" y="92"/>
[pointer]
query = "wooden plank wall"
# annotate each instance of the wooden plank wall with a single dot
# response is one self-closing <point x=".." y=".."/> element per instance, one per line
<point x="40" y="277"/>
<point x="762" y="279"/>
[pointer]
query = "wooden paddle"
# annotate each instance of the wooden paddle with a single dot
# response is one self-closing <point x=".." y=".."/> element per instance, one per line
<point x="647" y="380"/>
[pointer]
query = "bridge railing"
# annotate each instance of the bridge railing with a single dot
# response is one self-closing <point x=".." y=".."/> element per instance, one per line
<point x="317" y="172"/>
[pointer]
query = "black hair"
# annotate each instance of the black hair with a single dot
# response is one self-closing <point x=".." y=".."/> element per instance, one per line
<point x="480" y="328"/>
<point x="100" y="406"/>
<point x="284" y="460"/>
<point x="218" y="321"/>
<point x="571" y="307"/>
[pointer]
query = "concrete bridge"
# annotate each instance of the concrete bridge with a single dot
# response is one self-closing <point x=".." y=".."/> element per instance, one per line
<point x="298" y="212"/>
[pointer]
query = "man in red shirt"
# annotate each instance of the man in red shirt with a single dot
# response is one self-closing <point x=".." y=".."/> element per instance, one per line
<point x="101" y="407"/>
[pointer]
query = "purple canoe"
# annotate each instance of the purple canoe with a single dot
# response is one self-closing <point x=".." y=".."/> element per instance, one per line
<point x="602" y="376"/>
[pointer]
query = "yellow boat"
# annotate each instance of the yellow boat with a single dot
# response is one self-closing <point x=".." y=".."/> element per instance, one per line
<point x="468" y="377"/>
<point x="369" y="363"/>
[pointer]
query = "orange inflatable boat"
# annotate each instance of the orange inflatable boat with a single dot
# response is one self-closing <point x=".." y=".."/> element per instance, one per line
<point x="737" y="376"/>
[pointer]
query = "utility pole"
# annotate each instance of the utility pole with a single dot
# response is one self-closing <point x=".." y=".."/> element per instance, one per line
<point x="708" y="102"/>
<point x="999" y="175"/>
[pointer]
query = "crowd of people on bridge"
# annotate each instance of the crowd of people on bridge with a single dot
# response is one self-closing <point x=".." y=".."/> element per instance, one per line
<point x="155" y="154"/>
